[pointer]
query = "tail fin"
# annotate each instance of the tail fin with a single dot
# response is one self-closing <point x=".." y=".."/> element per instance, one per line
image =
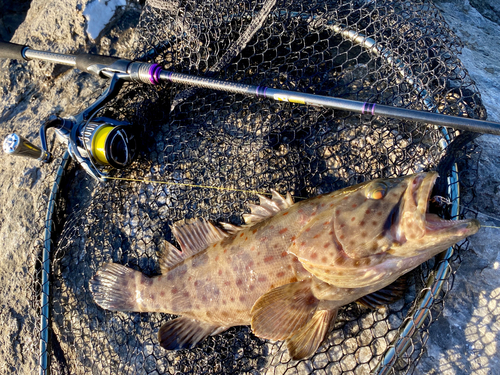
<point x="114" y="287"/>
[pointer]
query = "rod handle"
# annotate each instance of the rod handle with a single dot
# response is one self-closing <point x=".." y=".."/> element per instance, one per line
<point x="17" y="145"/>
<point x="12" y="51"/>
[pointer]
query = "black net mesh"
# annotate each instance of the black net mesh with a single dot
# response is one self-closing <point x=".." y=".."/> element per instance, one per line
<point x="208" y="152"/>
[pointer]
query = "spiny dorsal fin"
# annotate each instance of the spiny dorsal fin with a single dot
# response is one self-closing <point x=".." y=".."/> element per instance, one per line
<point x="193" y="236"/>
<point x="385" y="296"/>
<point x="196" y="235"/>
<point x="283" y="310"/>
<point x="183" y="333"/>
<point x="230" y="228"/>
<point x="267" y="207"/>
<point x="306" y="341"/>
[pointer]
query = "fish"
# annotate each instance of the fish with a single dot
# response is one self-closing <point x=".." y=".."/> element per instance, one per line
<point x="289" y="269"/>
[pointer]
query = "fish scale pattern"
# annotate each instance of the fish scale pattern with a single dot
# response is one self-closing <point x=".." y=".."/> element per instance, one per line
<point x="206" y="153"/>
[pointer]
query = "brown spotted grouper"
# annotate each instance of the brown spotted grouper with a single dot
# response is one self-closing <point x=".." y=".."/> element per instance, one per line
<point x="290" y="268"/>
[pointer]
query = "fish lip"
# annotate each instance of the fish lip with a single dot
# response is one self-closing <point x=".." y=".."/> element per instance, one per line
<point x="433" y="223"/>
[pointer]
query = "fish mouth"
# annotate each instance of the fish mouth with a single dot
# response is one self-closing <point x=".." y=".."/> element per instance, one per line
<point x="416" y="219"/>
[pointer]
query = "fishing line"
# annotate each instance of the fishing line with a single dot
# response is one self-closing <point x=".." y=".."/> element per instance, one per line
<point x="439" y="199"/>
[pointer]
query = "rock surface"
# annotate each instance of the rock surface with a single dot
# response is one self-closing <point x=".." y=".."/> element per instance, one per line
<point x="465" y="338"/>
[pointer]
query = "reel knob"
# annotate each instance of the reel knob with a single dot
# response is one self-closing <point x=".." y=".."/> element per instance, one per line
<point x="15" y="144"/>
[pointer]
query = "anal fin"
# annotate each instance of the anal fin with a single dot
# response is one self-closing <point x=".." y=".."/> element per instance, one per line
<point x="184" y="333"/>
<point x="306" y="341"/>
<point x="283" y="310"/>
<point x="385" y="296"/>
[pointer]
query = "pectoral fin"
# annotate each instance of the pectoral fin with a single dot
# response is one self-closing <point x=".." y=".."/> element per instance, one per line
<point x="306" y="341"/>
<point x="385" y="296"/>
<point x="184" y="333"/>
<point x="283" y="310"/>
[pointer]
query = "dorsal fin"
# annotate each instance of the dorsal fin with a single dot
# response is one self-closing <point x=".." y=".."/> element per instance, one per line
<point x="193" y="236"/>
<point x="267" y="207"/>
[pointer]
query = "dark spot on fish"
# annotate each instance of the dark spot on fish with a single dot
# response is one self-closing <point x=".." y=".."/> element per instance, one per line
<point x="345" y="198"/>
<point x="225" y="251"/>
<point x="357" y="263"/>
<point x="200" y="259"/>
<point x="308" y="229"/>
<point x="340" y="273"/>
<point x="331" y="232"/>
<point x="363" y="234"/>
<point x="332" y="204"/>
<point x="352" y="242"/>
<point x="296" y="260"/>
<point x="368" y="211"/>
<point x="262" y="278"/>
<point x="316" y="236"/>
<point x="252" y="248"/>
<point x="226" y="283"/>
<point x="285" y="213"/>
<point x="268" y="259"/>
<point x="162" y="293"/>
<point x="292" y="280"/>
<point x="197" y="283"/>
<point x="272" y="286"/>
<point x="314" y="255"/>
<point x="302" y="243"/>
<point x="341" y="237"/>
<point x="361" y="223"/>
<point x="374" y="223"/>
<point x="327" y="272"/>
<point x="246" y="238"/>
<point x="197" y="307"/>
<point x="276" y="245"/>
<point x="271" y="227"/>
<point x="185" y="295"/>
<point x="284" y="254"/>
<point x="190" y="278"/>
<point x="263" y="239"/>
<point x="152" y="296"/>
<point x="284" y="230"/>
<point x="314" y="213"/>
<point x="326" y="223"/>
<point x="293" y="238"/>
<point x="215" y="245"/>
<point x="289" y="266"/>
<point x="216" y="258"/>
<point x="280" y="274"/>
<point x="323" y="204"/>
<point x="239" y="282"/>
<point x="223" y="302"/>
<point x="326" y="245"/>
<point x="250" y="265"/>
<point x="379" y="213"/>
<point x="220" y="272"/>
<point x="232" y="299"/>
<point x="204" y="298"/>
<point x="251" y="287"/>
<point x="254" y="231"/>
<point x="342" y="225"/>
<point x="354" y="205"/>
<point x="174" y="290"/>
<point x="242" y="234"/>
<point x="182" y="269"/>
<point x="301" y="211"/>
<point x="324" y="259"/>
<point x="353" y="218"/>
<point x="170" y="276"/>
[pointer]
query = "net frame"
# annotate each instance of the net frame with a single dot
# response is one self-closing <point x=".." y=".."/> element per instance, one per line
<point x="442" y="270"/>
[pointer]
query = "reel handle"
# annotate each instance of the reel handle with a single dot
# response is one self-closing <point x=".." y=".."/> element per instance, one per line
<point x="17" y="145"/>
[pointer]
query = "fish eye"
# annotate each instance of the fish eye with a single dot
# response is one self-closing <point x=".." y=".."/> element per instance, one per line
<point x="376" y="191"/>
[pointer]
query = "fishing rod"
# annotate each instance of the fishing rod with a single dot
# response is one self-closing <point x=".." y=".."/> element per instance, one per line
<point x="104" y="142"/>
